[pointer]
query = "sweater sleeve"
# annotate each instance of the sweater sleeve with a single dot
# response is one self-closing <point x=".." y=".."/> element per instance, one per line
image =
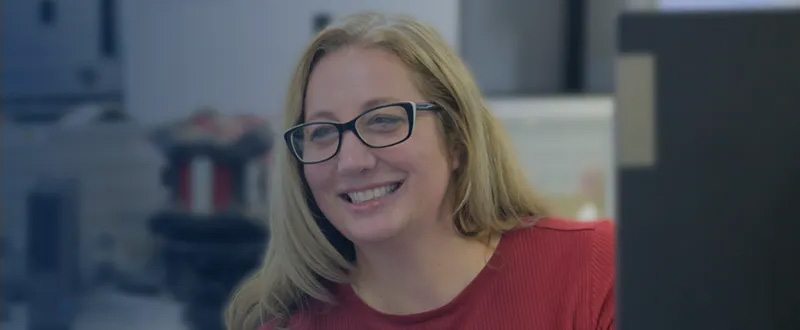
<point x="602" y="273"/>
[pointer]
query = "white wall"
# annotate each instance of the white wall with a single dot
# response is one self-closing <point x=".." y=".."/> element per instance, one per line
<point x="516" y="47"/>
<point x="235" y="55"/>
<point x="43" y="59"/>
<point x="641" y="5"/>
<point x="601" y="44"/>
<point x="559" y="140"/>
<point x="513" y="47"/>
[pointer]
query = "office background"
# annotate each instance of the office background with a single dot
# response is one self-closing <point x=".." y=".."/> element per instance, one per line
<point x="547" y="68"/>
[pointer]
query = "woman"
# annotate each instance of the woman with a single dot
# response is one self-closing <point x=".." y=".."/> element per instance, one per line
<point x="400" y="203"/>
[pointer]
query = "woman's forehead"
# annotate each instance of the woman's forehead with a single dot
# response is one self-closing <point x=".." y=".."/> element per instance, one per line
<point x="348" y="81"/>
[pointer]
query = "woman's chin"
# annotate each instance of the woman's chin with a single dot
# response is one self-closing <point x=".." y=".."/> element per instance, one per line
<point x="373" y="231"/>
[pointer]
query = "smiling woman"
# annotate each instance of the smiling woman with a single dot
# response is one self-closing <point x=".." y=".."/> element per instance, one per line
<point x="401" y="205"/>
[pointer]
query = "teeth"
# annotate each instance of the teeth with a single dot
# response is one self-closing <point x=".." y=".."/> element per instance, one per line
<point x="365" y="195"/>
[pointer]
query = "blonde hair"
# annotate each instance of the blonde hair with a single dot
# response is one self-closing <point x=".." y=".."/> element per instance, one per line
<point x="305" y="254"/>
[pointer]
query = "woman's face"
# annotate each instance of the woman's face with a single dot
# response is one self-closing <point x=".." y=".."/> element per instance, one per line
<point x="371" y="195"/>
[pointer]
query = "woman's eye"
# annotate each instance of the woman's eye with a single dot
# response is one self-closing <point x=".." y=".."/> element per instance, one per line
<point x="385" y="120"/>
<point x="322" y="133"/>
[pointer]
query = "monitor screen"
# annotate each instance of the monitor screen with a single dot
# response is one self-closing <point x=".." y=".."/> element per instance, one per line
<point x="708" y="170"/>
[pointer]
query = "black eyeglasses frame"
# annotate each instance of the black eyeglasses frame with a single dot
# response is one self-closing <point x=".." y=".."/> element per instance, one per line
<point x="411" y="111"/>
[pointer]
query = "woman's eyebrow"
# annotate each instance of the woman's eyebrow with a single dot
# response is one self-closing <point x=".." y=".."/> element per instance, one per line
<point x="322" y="114"/>
<point x="371" y="103"/>
<point x="374" y="102"/>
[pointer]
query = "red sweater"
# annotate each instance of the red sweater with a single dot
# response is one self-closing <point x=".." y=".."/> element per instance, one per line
<point x="554" y="275"/>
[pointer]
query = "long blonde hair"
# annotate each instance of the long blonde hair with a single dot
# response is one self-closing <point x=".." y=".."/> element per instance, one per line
<point x="305" y="253"/>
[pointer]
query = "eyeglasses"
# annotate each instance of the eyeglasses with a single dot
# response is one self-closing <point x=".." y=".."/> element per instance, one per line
<point x="379" y="127"/>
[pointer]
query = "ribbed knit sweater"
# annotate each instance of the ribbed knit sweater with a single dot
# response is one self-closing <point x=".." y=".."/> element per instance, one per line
<point x="556" y="274"/>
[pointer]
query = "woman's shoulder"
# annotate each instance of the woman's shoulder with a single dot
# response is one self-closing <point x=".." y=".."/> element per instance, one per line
<point x="564" y="241"/>
<point x="603" y="227"/>
<point x="564" y="229"/>
<point x="562" y="251"/>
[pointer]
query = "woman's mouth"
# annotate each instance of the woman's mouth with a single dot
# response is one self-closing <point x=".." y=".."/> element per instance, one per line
<point x="361" y="196"/>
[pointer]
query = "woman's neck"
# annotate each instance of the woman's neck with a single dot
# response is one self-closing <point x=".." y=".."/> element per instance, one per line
<point x="423" y="273"/>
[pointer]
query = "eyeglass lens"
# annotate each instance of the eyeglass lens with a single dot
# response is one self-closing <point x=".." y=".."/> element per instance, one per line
<point x="377" y="128"/>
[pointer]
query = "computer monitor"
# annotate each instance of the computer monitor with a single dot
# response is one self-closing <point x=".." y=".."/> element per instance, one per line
<point x="708" y="170"/>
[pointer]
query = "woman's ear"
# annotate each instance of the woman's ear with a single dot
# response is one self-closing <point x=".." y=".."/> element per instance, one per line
<point x="455" y="158"/>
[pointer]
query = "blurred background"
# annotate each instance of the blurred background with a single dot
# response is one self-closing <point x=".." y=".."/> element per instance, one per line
<point x="136" y="135"/>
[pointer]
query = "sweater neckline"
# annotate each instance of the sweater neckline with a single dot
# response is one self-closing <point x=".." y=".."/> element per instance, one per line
<point x="474" y="287"/>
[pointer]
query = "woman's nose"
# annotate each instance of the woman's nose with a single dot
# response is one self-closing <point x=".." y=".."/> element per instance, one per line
<point x="354" y="156"/>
